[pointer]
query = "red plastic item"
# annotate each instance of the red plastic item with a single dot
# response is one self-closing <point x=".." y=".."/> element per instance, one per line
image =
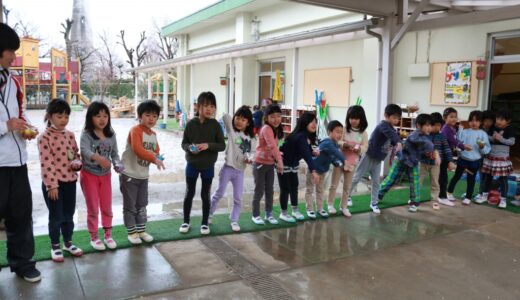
<point x="494" y="197"/>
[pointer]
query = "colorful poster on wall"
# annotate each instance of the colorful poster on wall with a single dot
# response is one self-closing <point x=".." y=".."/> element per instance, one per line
<point x="458" y="83"/>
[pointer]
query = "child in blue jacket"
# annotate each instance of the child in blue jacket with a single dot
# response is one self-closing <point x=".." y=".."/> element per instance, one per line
<point x="329" y="152"/>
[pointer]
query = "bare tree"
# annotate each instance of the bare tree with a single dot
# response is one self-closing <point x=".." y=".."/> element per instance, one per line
<point x="84" y="56"/>
<point x="163" y="47"/>
<point x="108" y="58"/>
<point x="25" y="29"/>
<point x="140" y="51"/>
<point x="5" y="13"/>
<point x="67" y="26"/>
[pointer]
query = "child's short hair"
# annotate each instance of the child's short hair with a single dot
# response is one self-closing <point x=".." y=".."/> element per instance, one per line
<point x="148" y="106"/>
<point x="436" y="118"/>
<point x="448" y="111"/>
<point x="393" y="110"/>
<point x="488" y="115"/>
<point x="356" y="112"/>
<point x="56" y="106"/>
<point x="504" y="114"/>
<point x="245" y="113"/>
<point x="256" y="107"/>
<point x="423" y="119"/>
<point x="333" y="125"/>
<point x="94" y="109"/>
<point x="476" y="114"/>
<point x="9" y="40"/>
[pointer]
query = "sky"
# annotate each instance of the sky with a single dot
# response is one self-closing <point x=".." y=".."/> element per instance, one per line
<point x="108" y="16"/>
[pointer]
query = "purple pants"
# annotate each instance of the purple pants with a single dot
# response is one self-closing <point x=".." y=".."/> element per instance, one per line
<point x="236" y="177"/>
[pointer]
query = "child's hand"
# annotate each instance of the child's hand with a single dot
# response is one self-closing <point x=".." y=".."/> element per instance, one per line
<point x="316" y="152"/>
<point x="497" y="136"/>
<point x="202" y="147"/>
<point x="315" y="178"/>
<point x="103" y="162"/>
<point x="53" y="194"/>
<point x="279" y="167"/>
<point x="468" y="147"/>
<point x="399" y="147"/>
<point x="119" y="168"/>
<point x="76" y="165"/>
<point x="437" y="161"/>
<point x="160" y="164"/>
<point x="451" y="166"/>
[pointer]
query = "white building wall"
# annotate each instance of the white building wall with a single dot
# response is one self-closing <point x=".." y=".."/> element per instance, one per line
<point x="446" y="44"/>
<point x="207" y="78"/>
<point x="219" y="35"/>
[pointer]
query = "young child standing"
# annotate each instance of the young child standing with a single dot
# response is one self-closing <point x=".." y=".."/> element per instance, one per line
<point x="267" y="155"/>
<point x="141" y="150"/>
<point x="488" y="121"/>
<point x="469" y="159"/>
<point x="354" y="144"/>
<point x="202" y="140"/>
<point x="381" y="141"/>
<point x="449" y="131"/>
<point x="59" y="157"/>
<point x="497" y="163"/>
<point x="416" y="146"/>
<point x="238" y="156"/>
<point x="329" y="153"/>
<point x="98" y="150"/>
<point x="297" y="145"/>
<point x="428" y="165"/>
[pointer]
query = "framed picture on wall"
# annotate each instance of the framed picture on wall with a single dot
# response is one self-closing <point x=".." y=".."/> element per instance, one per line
<point x="454" y="84"/>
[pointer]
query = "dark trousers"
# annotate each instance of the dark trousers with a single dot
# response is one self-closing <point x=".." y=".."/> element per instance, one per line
<point x="485" y="184"/>
<point x="191" y="183"/>
<point x="16" y="209"/>
<point x="443" y="179"/>
<point x="463" y="165"/>
<point x="61" y="211"/>
<point x="288" y="187"/>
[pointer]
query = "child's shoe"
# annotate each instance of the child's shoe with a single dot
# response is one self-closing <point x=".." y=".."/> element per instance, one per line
<point x="349" y="202"/>
<point x="412" y="208"/>
<point x="134" y="238"/>
<point x="298" y="215"/>
<point x="145" y="237"/>
<point x="272" y="220"/>
<point x="73" y="250"/>
<point x="31" y="275"/>
<point x="185" y="227"/>
<point x="235" y="227"/>
<point x="346" y="212"/>
<point x="466" y="201"/>
<point x="375" y="209"/>
<point x="503" y="203"/>
<point x="450" y="197"/>
<point x="331" y="209"/>
<point x="97" y="244"/>
<point x="57" y="255"/>
<point x="204" y="230"/>
<point x="285" y="217"/>
<point x="482" y="199"/>
<point x="111" y="244"/>
<point x="515" y="202"/>
<point x="311" y="214"/>
<point x="323" y="213"/>
<point x="446" y="202"/>
<point x="258" y="220"/>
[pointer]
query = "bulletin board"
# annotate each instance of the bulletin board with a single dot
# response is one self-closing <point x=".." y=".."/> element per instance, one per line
<point x="334" y="82"/>
<point x="439" y="80"/>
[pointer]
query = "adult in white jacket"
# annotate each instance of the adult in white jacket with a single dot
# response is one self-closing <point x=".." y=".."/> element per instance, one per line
<point x="15" y="191"/>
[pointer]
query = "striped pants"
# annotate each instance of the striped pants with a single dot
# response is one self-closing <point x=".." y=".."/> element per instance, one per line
<point x="397" y="171"/>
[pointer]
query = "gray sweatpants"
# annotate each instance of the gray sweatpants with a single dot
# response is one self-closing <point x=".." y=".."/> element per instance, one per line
<point x="135" y="200"/>
<point x="264" y="181"/>
<point x="372" y="166"/>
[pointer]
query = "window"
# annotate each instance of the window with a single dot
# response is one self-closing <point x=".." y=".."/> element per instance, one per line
<point x="267" y="79"/>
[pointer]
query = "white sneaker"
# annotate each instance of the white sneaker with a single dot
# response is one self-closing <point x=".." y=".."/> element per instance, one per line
<point x="503" y="203"/>
<point x="272" y="220"/>
<point x="466" y="201"/>
<point x="57" y="255"/>
<point x="258" y="220"/>
<point x="346" y="212"/>
<point x="332" y="210"/>
<point x="482" y="199"/>
<point x="235" y="227"/>
<point x="450" y="197"/>
<point x="134" y="239"/>
<point x="287" y="218"/>
<point x="97" y="244"/>
<point x="515" y="202"/>
<point x="412" y="208"/>
<point x="323" y="213"/>
<point x="446" y="202"/>
<point x="146" y="237"/>
<point x="204" y="229"/>
<point x="349" y="202"/>
<point x="298" y="215"/>
<point x="375" y="209"/>
<point x="73" y="250"/>
<point x="311" y="214"/>
<point x="111" y="244"/>
<point x="185" y="227"/>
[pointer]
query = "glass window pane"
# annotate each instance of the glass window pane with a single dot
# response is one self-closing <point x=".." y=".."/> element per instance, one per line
<point x="507" y="46"/>
<point x="279" y="65"/>
<point x="265" y="67"/>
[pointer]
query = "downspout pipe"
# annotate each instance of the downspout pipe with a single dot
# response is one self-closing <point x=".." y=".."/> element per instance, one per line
<point x="379" y="38"/>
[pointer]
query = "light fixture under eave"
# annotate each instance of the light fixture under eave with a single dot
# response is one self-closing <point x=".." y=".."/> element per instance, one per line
<point x="255" y="29"/>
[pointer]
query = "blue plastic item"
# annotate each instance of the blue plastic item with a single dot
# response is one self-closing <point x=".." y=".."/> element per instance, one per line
<point x="511" y="188"/>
